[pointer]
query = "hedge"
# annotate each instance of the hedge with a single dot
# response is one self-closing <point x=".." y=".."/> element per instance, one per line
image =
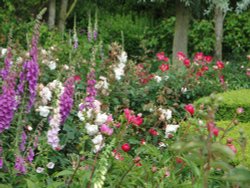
<point x="230" y="101"/>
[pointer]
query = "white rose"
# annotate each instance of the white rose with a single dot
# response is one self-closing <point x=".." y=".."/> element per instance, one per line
<point x="97" y="140"/>
<point x="101" y="118"/>
<point x="44" y="111"/>
<point x="157" y="78"/>
<point x="171" y="129"/>
<point x="91" y="129"/>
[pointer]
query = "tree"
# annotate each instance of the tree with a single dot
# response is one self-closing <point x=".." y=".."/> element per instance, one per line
<point x="52" y="14"/>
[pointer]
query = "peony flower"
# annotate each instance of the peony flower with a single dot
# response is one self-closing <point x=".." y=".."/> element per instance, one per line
<point x="189" y="108"/>
<point x="160" y="56"/>
<point x="208" y="59"/>
<point x="198" y="56"/>
<point x="43" y="111"/>
<point x="186" y="62"/>
<point x="91" y="129"/>
<point x="126" y="147"/>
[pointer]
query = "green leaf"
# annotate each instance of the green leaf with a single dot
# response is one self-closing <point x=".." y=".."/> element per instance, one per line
<point x="222" y="151"/>
<point x="31" y="184"/>
<point x="64" y="173"/>
<point x="55" y="184"/>
<point x="238" y="175"/>
<point x="5" y="186"/>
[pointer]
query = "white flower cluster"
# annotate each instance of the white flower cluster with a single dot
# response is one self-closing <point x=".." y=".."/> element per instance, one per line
<point x="102" y="85"/>
<point x="3" y="52"/>
<point x="97" y="118"/>
<point x="165" y="114"/>
<point x="119" y="68"/>
<point x="55" y="119"/>
<point x="48" y="59"/>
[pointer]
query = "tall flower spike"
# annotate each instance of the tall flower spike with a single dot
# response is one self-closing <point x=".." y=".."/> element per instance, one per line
<point x="8" y="102"/>
<point x="95" y="32"/>
<point x="89" y="28"/>
<point x="7" y="64"/>
<point x="66" y="99"/>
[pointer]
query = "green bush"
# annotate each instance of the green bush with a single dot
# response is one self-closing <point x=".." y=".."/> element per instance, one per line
<point x="231" y="100"/>
<point x="235" y="133"/>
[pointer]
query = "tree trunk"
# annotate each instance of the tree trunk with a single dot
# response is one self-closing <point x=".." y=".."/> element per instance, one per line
<point x="180" y="43"/>
<point x="218" y="19"/>
<point x="52" y="14"/>
<point x="63" y="15"/>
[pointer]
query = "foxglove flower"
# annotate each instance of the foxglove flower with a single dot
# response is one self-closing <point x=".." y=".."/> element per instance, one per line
<point x="20" y="165"/>
<point x="23" y="141"/>
<point x="66" y="99"/>
<point x="31" y="155"/>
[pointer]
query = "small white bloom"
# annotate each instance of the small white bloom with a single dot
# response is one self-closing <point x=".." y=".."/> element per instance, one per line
<point x="39" y="170"/>
<point x="118" y="73"/>
<point x="80" y="116"/>
<point x="97" y="140"/>
<point x="66" y="67"/>
<point x="29" y="128"/>
<point x="43" y="51"/>
<point x="165" y="114"/>
<point x="123" y="57"/>
<point x="46" y="94"/>
<point x="19" y="60"/>
<point x="102" y="83"/>
<point x="166" y="78"/>
<point x="183" y="89"/>
<point x="50" y="165"/>
<point x="52" y="65"/>
<point x="162" y="145"/>
<point x="3" y="52"/>
<point x="91" y="129"/>
<point x="43" y="111"/>
<point x="101" y="118"/>
<point x="98" y="147"/>
<point x="171" y="129"/>
<point x="97" y="106"/>
<point x="157" y="78"/>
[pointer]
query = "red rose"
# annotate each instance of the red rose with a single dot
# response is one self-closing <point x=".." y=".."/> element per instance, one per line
<point x="164" y="67"/>
<point x="189" y="108"/>
<point x="126" y="147"/>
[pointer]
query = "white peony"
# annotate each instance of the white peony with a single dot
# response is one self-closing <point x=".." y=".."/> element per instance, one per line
<point x="101" y="118"/>
<point x="97" y="140"/>
<point x="91" y="129"/>
<point x="43" y="111"/>
<point x="52" y="65"/>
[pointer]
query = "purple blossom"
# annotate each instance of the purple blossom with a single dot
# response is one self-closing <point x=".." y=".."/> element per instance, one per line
<point x="1" y="162"/>
<point x="66" y="99"/>
<point x="31" y="155"/>
<point x="95" y="34"/>
<point x="7" y="64"/>
<point x="8" y="102"/>
<point x="30" y="73"/>
<point x="23" y="141"/>
<point x="91" y="92"/>
<point x="20" y="165"/>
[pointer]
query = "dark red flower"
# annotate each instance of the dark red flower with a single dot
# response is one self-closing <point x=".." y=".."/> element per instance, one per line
<point x="164" y="67"/>
<point x="186" y="62"/>
<point x="126" y="147"/>
<point x="153" y="132"/>
<point x="220" y="64"/>
<point x="189" y="108"/>
<point x="77" y="78"/>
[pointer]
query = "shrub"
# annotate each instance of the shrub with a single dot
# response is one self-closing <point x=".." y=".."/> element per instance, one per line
<point x="240" y="134"/>
<point x="231" y="100"/>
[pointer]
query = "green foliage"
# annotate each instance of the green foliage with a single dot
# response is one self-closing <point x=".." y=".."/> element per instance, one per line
<point x="231" y="100"/>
